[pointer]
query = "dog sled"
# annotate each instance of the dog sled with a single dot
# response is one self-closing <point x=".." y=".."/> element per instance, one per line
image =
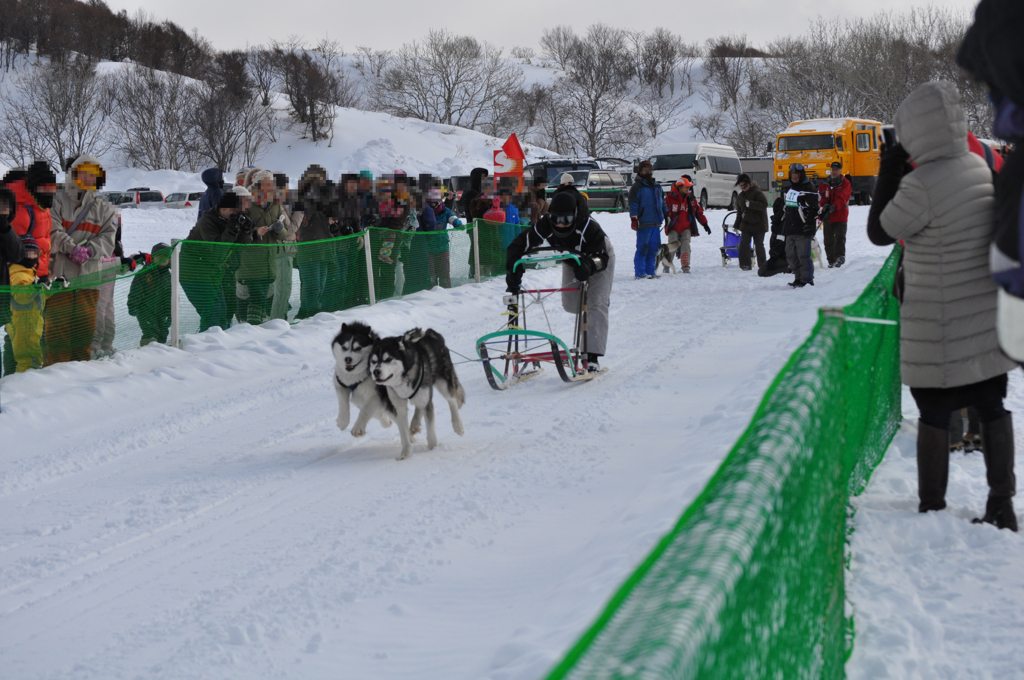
<point x="730" y="239"/>
<point x="517" y="353"/>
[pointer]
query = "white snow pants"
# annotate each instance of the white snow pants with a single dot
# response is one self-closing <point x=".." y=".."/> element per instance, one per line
<point x="599" y="290"/>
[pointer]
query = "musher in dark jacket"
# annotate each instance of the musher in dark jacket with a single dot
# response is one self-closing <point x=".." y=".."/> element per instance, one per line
<point x="568" y="228"/>
<point x="799" y="222"/>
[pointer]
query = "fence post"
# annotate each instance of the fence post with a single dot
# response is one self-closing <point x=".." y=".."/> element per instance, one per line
<point x="476" y="250"/>
<point x="369" y="265"/>
<point x="175" y="276"/>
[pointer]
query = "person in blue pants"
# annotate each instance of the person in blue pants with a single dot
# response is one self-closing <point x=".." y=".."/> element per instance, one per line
<point x="646" y="214"/>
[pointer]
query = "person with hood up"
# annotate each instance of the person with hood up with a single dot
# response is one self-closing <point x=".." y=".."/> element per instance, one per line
<point x="83" y="233"/>
<point x="213" y="178"/>
<point x="752" y="220"/>
<point x="646" y="214"/>
<point x="799" y="222"/>
<point x="12" y="251"/>
<point x="835" y="191"/>
<point x="684" y="213"/>
<point x="942" y="210"/>
<point x="34" y="190"/>
<point x="476" y="179"/>
<point x="567" y="228"/>
<point x="149" y="298"/>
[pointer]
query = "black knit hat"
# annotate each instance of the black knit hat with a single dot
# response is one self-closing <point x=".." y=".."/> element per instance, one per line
<point x="38" y="174"/>
<point x="562" y="203"/>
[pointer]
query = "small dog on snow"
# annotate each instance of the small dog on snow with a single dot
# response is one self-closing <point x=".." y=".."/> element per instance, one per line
<point x="411" y="367"/>
<point x="666" y="257"/>
<point x="352" y="381"/>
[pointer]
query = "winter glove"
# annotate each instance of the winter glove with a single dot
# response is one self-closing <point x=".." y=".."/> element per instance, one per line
<point x="79" y="255"/>
<point x="707" y="229"/>
<point x="586" y="268"/>
<point x="43" y="281"/>
<point x="826" y="211"/>
<point x="29" y="244"/>
<point x="634" y="223"/>
<point x="455" y="222"/>
<point x="61" y="282"/>
<point x="278" y="227"/>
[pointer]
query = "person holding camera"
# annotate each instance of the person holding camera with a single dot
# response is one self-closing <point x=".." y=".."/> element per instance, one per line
<point x="752" y="220"/>
<point x="799" y="222"/>
<point x="206" y="258"/>
<point x="941" y="206"/>
<point x="835" y="191"/>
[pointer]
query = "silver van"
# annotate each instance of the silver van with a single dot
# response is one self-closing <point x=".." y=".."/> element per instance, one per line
<point x="711" y="167"/>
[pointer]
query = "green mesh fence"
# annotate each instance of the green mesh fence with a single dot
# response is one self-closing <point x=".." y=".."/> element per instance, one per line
<point x="112" y="308"/>
<point x="225" y="284"/>
<point x="749" y="583"/>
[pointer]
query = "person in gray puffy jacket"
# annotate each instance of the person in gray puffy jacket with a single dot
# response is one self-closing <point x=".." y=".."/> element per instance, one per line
<point x="949" y="352"/>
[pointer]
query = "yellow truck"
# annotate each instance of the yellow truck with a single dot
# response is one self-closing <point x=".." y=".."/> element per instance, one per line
<point x="815" y="144"/>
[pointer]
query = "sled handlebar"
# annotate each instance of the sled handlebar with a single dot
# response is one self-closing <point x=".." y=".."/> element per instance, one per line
<point x="551" y="258"/>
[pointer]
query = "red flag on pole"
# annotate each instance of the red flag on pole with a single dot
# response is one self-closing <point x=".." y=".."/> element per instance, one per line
<point x="512" y="149"/>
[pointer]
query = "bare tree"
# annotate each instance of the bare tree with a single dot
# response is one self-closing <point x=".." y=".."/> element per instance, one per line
<point x="262" y="72"/>
<point x="314" y="84"/>
<point x="596" y="94"/>
<point x="526" y="53"/>
<point x="370" y="63"/>
<point x="448" y="79"/>
<point x="148" y="125"/>
<point x="55" y="111"/>
<point x="555" y="44"/>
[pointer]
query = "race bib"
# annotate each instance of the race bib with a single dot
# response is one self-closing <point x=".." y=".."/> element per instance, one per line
<point x="791" y="198"/>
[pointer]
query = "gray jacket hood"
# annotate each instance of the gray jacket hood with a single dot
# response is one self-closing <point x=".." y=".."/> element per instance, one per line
<point x="931" y="123"/>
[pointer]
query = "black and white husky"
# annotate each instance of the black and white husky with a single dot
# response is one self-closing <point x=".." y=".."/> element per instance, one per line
<point x="352" y="381"/>
<point x="666" y="257"/>
<point x="411" y="367"/>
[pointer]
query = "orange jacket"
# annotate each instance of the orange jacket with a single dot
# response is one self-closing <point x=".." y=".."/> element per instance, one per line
<point x="31" y="216"/>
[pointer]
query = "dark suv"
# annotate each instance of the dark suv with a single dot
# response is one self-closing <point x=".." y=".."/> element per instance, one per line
<point x="605" y="189"/>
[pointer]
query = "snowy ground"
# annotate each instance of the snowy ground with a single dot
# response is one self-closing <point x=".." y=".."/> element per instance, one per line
<point x="197" y="514"/>
<point x="934" y="596"/>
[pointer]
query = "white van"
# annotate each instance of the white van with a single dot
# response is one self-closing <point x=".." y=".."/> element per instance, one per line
<point x="712" y="167"/>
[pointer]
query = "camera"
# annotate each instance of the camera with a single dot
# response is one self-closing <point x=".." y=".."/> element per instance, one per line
<point x="889" y="138"/>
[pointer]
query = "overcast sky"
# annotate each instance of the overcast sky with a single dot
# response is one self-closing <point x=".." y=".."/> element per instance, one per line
<point x="387" y="24"/>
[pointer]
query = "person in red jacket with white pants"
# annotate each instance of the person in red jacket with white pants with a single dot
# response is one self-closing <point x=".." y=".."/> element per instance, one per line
<point x="835" y="192"/>
<point x="683" y="212"/>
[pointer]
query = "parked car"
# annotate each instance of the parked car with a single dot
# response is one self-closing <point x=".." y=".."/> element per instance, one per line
<point x="552" y="168"/>
<point x="141" y="197"/>
<point x="111" y="197"/>
<point x="605" y="189"/>
<point x="183" y="200"/>
<point x="712" y="168"/>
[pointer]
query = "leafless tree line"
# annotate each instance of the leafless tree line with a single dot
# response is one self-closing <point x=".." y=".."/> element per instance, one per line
<point x="862" y="68"/>
<point x="616" y="93"/>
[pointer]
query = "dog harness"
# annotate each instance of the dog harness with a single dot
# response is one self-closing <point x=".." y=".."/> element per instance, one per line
<point x="350" y="388"/>
<point x="419" y="382"/>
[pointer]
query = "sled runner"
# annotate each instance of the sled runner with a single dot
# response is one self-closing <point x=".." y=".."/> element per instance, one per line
<point x="517" y="353"/>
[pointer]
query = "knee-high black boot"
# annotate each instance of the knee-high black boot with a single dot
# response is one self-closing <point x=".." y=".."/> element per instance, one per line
<point x="932" y="466"/>
<point x="1002" y="483"/>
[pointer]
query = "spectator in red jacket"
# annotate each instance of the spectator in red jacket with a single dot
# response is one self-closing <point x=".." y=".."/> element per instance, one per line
<point x="835" y="192"/>
<point x="683" y="212"/>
